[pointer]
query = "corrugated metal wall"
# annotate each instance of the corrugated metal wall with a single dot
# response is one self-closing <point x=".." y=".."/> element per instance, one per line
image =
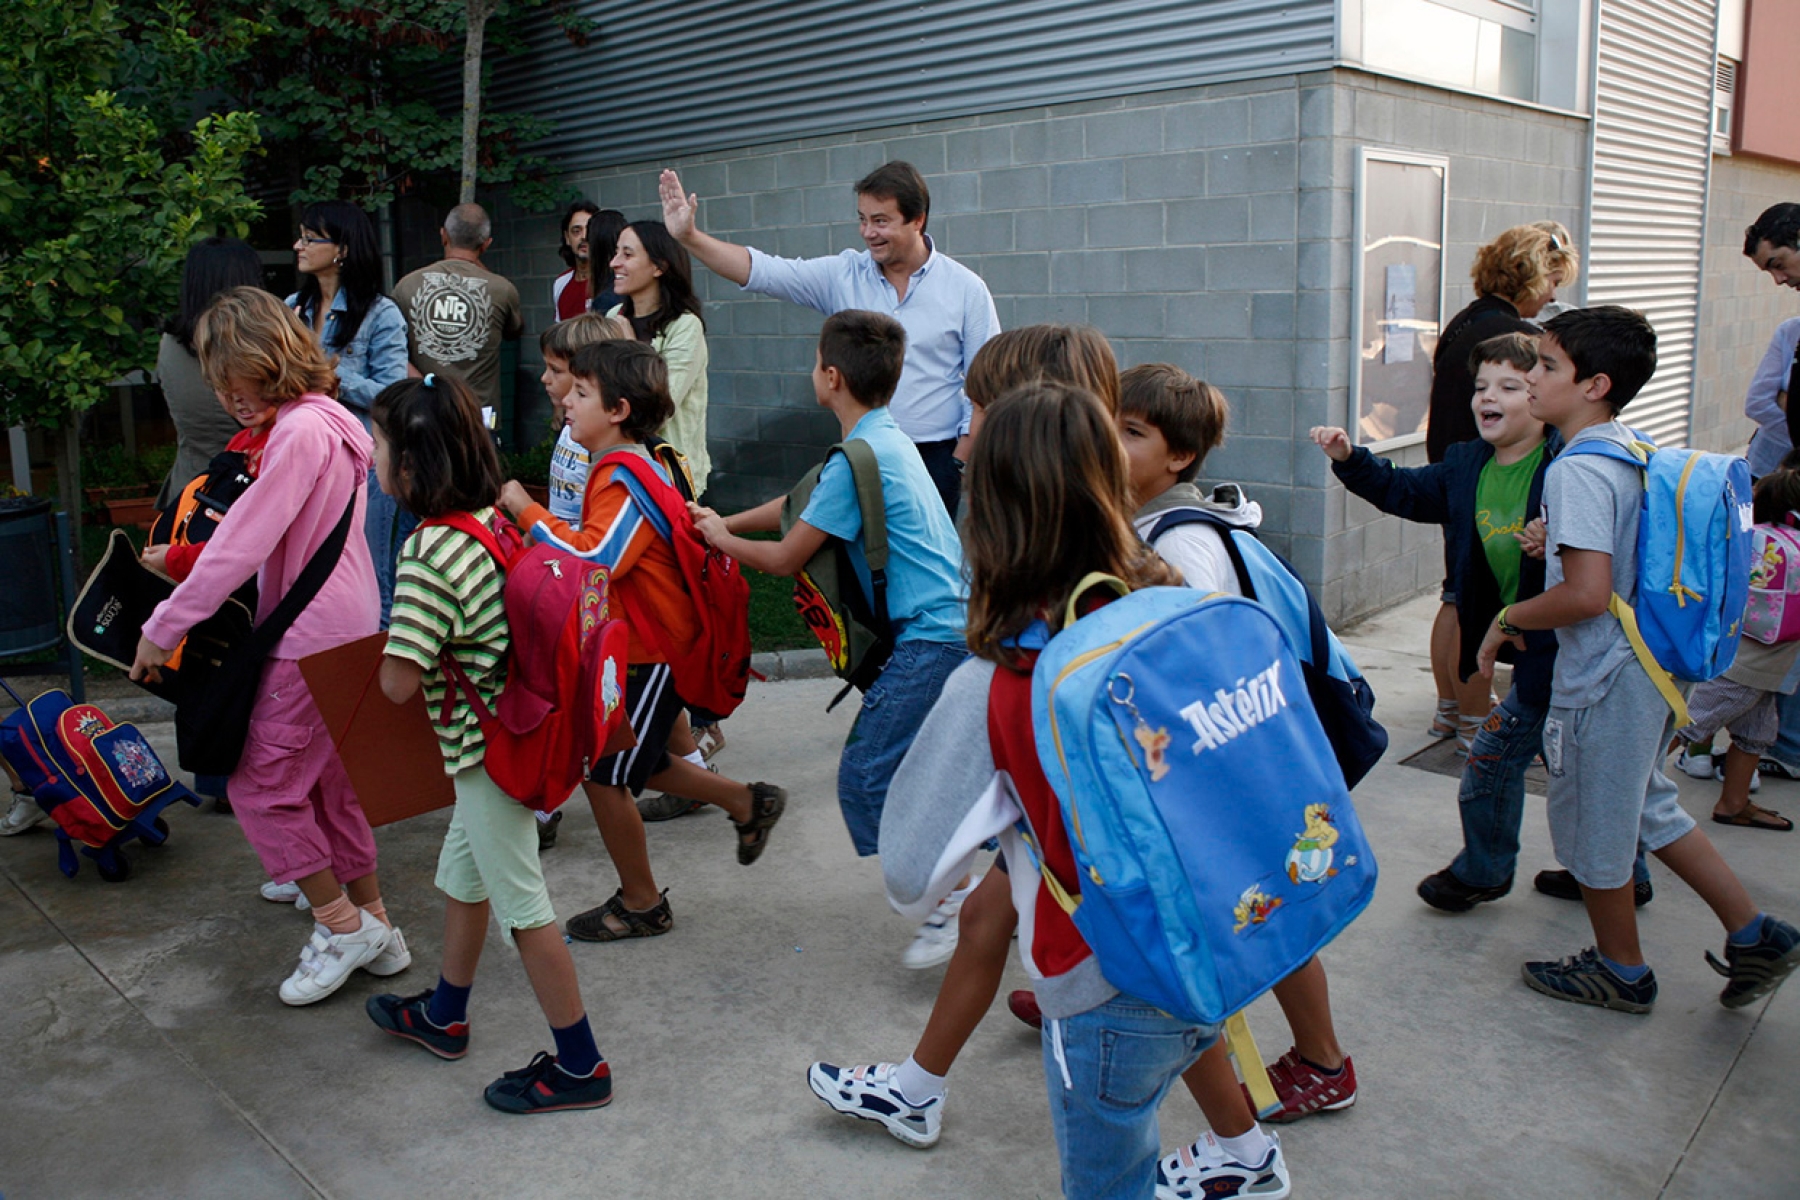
<point x="1652" y="121"/>
<point x="666" y="77"/>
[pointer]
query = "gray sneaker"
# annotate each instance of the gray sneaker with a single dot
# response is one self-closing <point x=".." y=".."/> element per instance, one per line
<point x="22" y="815"/>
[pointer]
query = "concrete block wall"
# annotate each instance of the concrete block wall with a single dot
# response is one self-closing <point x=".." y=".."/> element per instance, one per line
<point x="1508" y="165"/>
<point x="1739" y="305"/>
<point x="1208" y="227"/>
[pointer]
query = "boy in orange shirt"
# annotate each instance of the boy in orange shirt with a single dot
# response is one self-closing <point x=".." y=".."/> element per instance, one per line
<point x="620" y="396"/>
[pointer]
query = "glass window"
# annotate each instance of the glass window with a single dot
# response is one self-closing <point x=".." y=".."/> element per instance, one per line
<point x="1482" y="45"/>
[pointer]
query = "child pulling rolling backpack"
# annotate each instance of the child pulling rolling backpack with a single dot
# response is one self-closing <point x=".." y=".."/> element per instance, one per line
<point x="1215" y="840"/>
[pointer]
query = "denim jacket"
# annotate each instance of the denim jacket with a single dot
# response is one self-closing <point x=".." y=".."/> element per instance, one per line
<point x="1444" y="494"/>
<point x="375" y="357"/>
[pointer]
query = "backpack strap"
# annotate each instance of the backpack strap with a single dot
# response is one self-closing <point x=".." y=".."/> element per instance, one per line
<point x="464" y="522"/>
<point x="865" y="472"/>
<point x="1638" y="455"/>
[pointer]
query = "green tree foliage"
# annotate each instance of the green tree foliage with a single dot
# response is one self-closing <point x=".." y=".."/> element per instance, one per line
<point x="102" y="191"/>
<point x="358" y="99"/>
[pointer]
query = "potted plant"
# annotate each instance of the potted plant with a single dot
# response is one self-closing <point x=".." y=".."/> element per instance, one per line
<point x="531" y="468"/>
<point x="125" y="485"/>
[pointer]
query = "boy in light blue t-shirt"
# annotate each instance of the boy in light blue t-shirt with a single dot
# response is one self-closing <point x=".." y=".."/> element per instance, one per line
<point x="858" y="365"/>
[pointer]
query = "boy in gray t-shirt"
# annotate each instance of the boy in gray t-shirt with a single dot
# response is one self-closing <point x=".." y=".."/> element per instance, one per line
<point x="1608" y="727"/>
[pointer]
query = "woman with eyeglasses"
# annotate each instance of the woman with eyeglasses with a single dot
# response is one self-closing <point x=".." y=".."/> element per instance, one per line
<point x="569" y="291"/>
<point x="1515" y="275"/>
<point x="340" y="300"/>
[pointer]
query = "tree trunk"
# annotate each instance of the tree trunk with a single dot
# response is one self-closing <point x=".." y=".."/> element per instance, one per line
<point x="478" y="12"/>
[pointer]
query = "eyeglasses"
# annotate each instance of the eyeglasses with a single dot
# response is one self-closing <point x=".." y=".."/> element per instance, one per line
<point x="310" y="240"/>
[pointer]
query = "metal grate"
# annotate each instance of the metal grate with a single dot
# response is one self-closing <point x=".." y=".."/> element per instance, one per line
<point x="1653" y="115"/>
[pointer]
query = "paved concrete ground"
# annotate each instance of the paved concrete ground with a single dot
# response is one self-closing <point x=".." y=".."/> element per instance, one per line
<point x="143" y="1051"/>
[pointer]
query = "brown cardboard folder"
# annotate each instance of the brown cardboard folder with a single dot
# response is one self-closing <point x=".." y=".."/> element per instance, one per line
<point x="389" y="750"/>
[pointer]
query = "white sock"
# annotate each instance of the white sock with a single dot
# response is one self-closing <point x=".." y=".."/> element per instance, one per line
<point x="697" y="758"/>
<point x="543" y="817"/>
<point x="1247" y="1148"/>
<point x="916" y="1083"/>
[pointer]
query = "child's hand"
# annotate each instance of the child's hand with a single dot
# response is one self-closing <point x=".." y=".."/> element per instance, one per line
<point x="156" y="558"/>
<point x="150" y="657"/>
<point x="1532" y="538"/>
<point x="1332" y="440"/>
<point x="514" y="499"/>
<point x="709" y="524"/>
<point x="1490" y="649"/>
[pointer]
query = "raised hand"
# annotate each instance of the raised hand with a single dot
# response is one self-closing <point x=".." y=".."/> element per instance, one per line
<point x="678" y="209"/>
<point x="1332" y="440"/>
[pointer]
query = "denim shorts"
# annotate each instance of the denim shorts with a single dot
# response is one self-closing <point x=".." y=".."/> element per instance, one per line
<point x="892" y="710"/>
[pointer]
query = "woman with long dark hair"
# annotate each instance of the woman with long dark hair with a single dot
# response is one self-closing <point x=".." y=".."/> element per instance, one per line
<point x="340" y="300"/>
<point x="655" y="283"/>
<point x="603" y="230"/>
<point x="202" y="427"/>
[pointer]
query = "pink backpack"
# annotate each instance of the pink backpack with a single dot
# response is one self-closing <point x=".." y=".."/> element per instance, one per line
<point x="1773" y="612"/>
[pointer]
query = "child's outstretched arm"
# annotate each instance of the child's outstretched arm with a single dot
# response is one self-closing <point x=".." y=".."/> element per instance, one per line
<point x="772" y="558"/>
<point x="614" y="532"/>
<point x="1585" y="592"/>
<point x="1419" y="494"/>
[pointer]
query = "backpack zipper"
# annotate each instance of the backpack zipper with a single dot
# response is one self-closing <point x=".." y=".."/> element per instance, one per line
<point x="1069" y="668"/>
<point x="1677" y="589"/>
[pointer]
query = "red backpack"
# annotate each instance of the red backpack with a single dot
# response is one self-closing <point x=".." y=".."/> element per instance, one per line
<point x="562" y="706"/>
<point x="713" y="673"/>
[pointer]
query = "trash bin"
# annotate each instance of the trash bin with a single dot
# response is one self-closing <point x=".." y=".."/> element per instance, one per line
<point x="34" y="544"/>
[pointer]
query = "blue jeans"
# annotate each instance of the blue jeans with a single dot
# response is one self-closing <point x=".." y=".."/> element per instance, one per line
<point x="1107" y="1071"/>
<point x="1787" y="745"/>
<point x="387" y="527"/>
<point x="1492" y="796"/>
<point x="892" y="710"/>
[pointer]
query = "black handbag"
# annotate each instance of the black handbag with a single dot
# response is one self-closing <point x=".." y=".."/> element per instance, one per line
<point x="219" y="675"/>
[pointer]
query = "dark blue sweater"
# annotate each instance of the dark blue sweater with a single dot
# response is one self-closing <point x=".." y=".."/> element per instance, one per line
<point x="1444" y="494"/>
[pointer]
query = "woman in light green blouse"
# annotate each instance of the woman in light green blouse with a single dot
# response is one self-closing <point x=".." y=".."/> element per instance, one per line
<point x="652" y="275"/>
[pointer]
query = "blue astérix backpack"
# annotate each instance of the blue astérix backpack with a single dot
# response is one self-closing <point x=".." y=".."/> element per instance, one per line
<point x="1216" y="842"/>
<point x="1694" y="550"/>
<point x="1343" y="699"/>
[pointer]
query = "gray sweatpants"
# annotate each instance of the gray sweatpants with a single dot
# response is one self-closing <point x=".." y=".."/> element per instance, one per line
<point x="1607" y="789"/>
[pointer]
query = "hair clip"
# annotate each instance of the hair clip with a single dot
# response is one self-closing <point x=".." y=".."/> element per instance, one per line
<point x="1555" y="242"/>
<point x="430" y="380"/>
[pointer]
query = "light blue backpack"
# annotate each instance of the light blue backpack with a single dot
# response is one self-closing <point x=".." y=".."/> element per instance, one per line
<point x="1214" y="836"/>
<point x="1694" y="553"/>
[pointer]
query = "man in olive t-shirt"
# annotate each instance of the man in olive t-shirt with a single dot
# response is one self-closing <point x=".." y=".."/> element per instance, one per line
<point x="457" y="311"/>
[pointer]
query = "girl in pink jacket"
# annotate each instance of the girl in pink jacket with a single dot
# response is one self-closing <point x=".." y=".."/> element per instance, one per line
<point x="292" y="796"/>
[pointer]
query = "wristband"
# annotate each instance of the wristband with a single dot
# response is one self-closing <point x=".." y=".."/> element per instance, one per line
<point x="1506" y="628"/>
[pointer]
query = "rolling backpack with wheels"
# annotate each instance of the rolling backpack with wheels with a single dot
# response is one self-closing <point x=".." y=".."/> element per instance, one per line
<point x="101" y="783"/>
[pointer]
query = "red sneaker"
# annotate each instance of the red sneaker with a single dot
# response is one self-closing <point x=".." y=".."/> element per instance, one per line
<point x="1023" y="1005"/>
<point x="1303" y="1090"/>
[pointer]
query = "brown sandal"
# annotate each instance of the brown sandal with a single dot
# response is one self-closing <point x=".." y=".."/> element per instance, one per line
<point x="1755" y="816"/>
<point x="767" y="803"/>
<point x="591" y="925"/>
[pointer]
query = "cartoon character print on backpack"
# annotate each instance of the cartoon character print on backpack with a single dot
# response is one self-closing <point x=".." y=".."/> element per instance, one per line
<point x="817" y="614"/>
<point x="137" y="764"/>
<point x="1254" y="907"/>
<point x="1310" y="859"/>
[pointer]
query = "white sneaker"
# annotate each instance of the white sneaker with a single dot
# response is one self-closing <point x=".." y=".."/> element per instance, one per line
<point x="1693" y="765"/>
<point x="327" y="960"/>
<point x="1755" y="778"/>
<point x="1204" y="1169"/>
<point x="394" y="957"/>
<point x="286" y="893"/>
<point x="868" y="1093"/>
<point x="935" y="941"/>
<point x="22" y="815"/>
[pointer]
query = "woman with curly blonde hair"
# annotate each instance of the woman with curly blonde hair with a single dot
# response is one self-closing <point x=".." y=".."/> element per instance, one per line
<point x="1515" y="276"/>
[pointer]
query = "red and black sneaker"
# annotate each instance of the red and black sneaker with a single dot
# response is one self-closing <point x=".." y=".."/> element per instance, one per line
<point x="405" y="1017"/>
<point x="1304" y="1089"/>
<point x="542" y="1086"/>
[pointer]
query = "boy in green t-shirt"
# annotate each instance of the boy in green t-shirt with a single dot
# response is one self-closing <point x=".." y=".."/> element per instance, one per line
<point x="1487" y="496"/>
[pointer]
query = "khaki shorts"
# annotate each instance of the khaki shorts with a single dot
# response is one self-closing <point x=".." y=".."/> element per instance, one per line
<point x="491" y="853"/>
